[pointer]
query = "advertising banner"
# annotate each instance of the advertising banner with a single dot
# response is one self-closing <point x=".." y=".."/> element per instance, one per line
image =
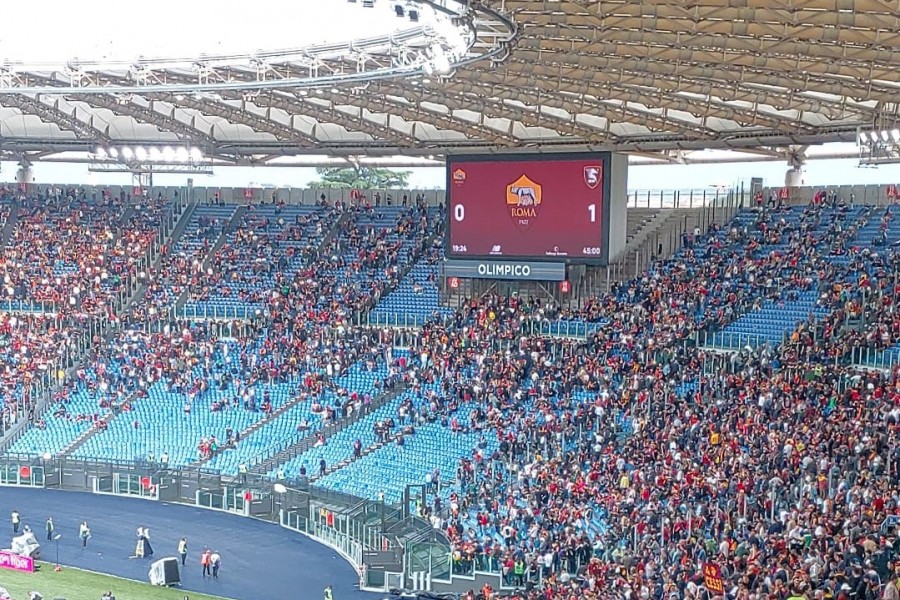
<point x="14" y="562"/>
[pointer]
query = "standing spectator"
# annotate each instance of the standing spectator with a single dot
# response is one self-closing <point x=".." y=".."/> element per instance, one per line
<point x="890" y="590"/>
<point x="49" y="528"/>
<point x="84" y="532"/>
<point x="16" y="519"/>
<point x="205" y="560"/>
<point x="216" y="560"/>
<point x="183" y="550"/>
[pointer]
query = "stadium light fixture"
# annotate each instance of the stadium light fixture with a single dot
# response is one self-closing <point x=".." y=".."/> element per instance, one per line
<point x="168" y="154"/>
<point x="879" y="146"/>
<point x="113" y="153"/>
<point x="466" y="31"/>
<point x="441" y="62"/>
<point x="127" y="153"/>
<point x="140" y="153"/>
<point x="196" y="154"/>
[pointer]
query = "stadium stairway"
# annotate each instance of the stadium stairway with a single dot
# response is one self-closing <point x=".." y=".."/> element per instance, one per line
<point x="104" y="420"/>
<point x="257" y="425"/>
<point x="267" y="464"/>
<point x="181" y="216"/>
<point x="334" y="230"/>
<point x="376" y="304"/>
<point x="10" y="224"/>
<point x="329" y="469"/>
<point x="235" y="219"/>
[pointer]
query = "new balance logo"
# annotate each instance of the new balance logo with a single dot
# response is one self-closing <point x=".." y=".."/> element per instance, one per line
<point x="496" y="249"/>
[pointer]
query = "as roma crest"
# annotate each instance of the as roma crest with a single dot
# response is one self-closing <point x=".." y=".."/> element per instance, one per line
<point x="593" y="175"/>
<point x="523" y="201"/>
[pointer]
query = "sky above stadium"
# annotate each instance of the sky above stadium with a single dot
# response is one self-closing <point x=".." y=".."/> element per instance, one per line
<point x="111" y="30"/>
<point x="818" y="172"/>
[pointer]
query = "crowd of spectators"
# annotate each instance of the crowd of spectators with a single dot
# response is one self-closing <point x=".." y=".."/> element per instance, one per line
<point x="72" y="254"/>
<point x="627" y="461"/>
<point x="631" y="460"/>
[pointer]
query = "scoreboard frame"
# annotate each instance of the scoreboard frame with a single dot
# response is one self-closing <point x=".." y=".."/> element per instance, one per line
<point x="603" y="158"/>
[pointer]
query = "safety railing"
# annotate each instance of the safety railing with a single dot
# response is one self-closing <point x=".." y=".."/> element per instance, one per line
<point x="690" y="198"/>
<point x="340" y="541"/>
<point x="402" y="320"/>
<point x="876" y="359"/>
<point x="563" y="328"/>
<point x="736" y="341"/>
<point x="125" y="484"/>
<point x="211" y="311"/>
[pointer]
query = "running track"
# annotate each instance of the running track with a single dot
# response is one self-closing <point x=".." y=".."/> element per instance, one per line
<point x="260" y="561"/>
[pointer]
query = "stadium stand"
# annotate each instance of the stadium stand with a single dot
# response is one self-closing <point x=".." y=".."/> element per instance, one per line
<point x="570" y="452"/>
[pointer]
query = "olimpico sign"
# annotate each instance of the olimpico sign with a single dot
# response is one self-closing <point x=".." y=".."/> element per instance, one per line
<point x="503" y="269"/>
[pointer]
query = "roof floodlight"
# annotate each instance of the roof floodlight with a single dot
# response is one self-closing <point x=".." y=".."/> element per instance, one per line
<point x="884" y="135"/>
<point x="155" y="154"/>
<point x="863" y="138"/>
<point x="100" y="153"/>
<point x="398" y="10"/>
<point x="127" y="153"/>
<point x="413" y="16"/>
<point x="873" y="135"/>
<point x="140" y="153"/>
<point x="182" y="154"/>
<point x="113" y="153"/>
<point x="441" y="62"/>
<point x="895" y="134"/>
<point x="168" y="154"/>
<point x="196" y="155"/>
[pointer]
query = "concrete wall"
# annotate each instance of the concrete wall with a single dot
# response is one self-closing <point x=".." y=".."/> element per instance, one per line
<point x="245" y="195"/>
<point x="618" y="203"/>
<point x="862" y="194"/>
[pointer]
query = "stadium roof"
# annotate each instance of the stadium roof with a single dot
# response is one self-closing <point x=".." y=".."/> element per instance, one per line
<point x="656" y="78"/>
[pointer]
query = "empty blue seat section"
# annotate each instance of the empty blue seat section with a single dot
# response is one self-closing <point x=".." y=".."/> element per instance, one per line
<point x="415" y="300"/>
<point x="160" y="424"/>
<point x="770" y="324"/>
<point x="392" y="468"/>
<point x="78" y="407"/>
<point x="363" y="377"/>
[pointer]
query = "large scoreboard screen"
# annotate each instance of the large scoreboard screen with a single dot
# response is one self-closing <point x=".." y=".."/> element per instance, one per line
<point x="548" y="207"/>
